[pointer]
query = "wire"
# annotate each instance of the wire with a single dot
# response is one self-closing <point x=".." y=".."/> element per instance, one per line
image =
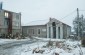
<point x="68" y="14"/>
<point x="81" y="10"/>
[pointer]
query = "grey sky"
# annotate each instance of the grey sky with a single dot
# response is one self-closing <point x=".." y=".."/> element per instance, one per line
<point x="43" y="9"/>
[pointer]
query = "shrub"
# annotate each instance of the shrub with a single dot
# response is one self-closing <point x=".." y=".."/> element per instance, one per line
<point x="83" y="42"/>
<point x="50" y="43"/>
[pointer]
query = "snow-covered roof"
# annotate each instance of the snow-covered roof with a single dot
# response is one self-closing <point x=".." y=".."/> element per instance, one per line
<point x="38" y="22"/>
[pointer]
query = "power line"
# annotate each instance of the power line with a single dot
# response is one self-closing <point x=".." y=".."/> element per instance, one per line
<point x="68" y="14"/>
<point x="81" y="10"/>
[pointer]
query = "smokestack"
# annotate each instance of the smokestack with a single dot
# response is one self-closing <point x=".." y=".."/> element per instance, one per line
<point x="1" y="4"/>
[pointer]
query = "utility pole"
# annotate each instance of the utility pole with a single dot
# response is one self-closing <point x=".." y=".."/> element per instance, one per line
<point x="78" y="23"/>
<point x="82" y="25"/>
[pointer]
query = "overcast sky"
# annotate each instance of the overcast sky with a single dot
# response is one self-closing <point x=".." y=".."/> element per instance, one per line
<point x="33" y="10"/>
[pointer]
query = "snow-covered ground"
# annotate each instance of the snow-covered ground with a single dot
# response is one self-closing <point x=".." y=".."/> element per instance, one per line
<point x="74" y="48"/>
<point x="49" y="51"/>
<point x="4" y="41"/>
<point x="47" y="39"/>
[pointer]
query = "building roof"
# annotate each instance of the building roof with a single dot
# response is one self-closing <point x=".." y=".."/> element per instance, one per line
<point x="11" y="11"/>
<point x="38" y="22"/>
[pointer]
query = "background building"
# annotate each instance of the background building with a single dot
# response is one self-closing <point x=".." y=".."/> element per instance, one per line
<point x="51" y="28"/>
<point x="10" y="22"/>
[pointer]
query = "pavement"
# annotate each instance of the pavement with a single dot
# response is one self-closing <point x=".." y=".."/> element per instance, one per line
<point x="8" y="48"/>
<point x="16" y="43"/>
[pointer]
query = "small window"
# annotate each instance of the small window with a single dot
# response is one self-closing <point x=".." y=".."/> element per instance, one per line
<point x="38" y="31"/>
<point x="17" y="17"/>
<point x="6" y="22"/>
<point x="53" y="24"/>
<point x="6" y="14"/>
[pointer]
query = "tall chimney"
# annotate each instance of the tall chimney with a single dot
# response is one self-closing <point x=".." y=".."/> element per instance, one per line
<point x="1" y="4"/>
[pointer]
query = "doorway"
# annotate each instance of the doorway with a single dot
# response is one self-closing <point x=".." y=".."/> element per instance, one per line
<point x="54" y="29"/>
<point x="59" y="32"/>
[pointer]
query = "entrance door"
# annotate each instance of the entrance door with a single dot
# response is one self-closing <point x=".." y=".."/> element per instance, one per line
<point x="54" y="29"/>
